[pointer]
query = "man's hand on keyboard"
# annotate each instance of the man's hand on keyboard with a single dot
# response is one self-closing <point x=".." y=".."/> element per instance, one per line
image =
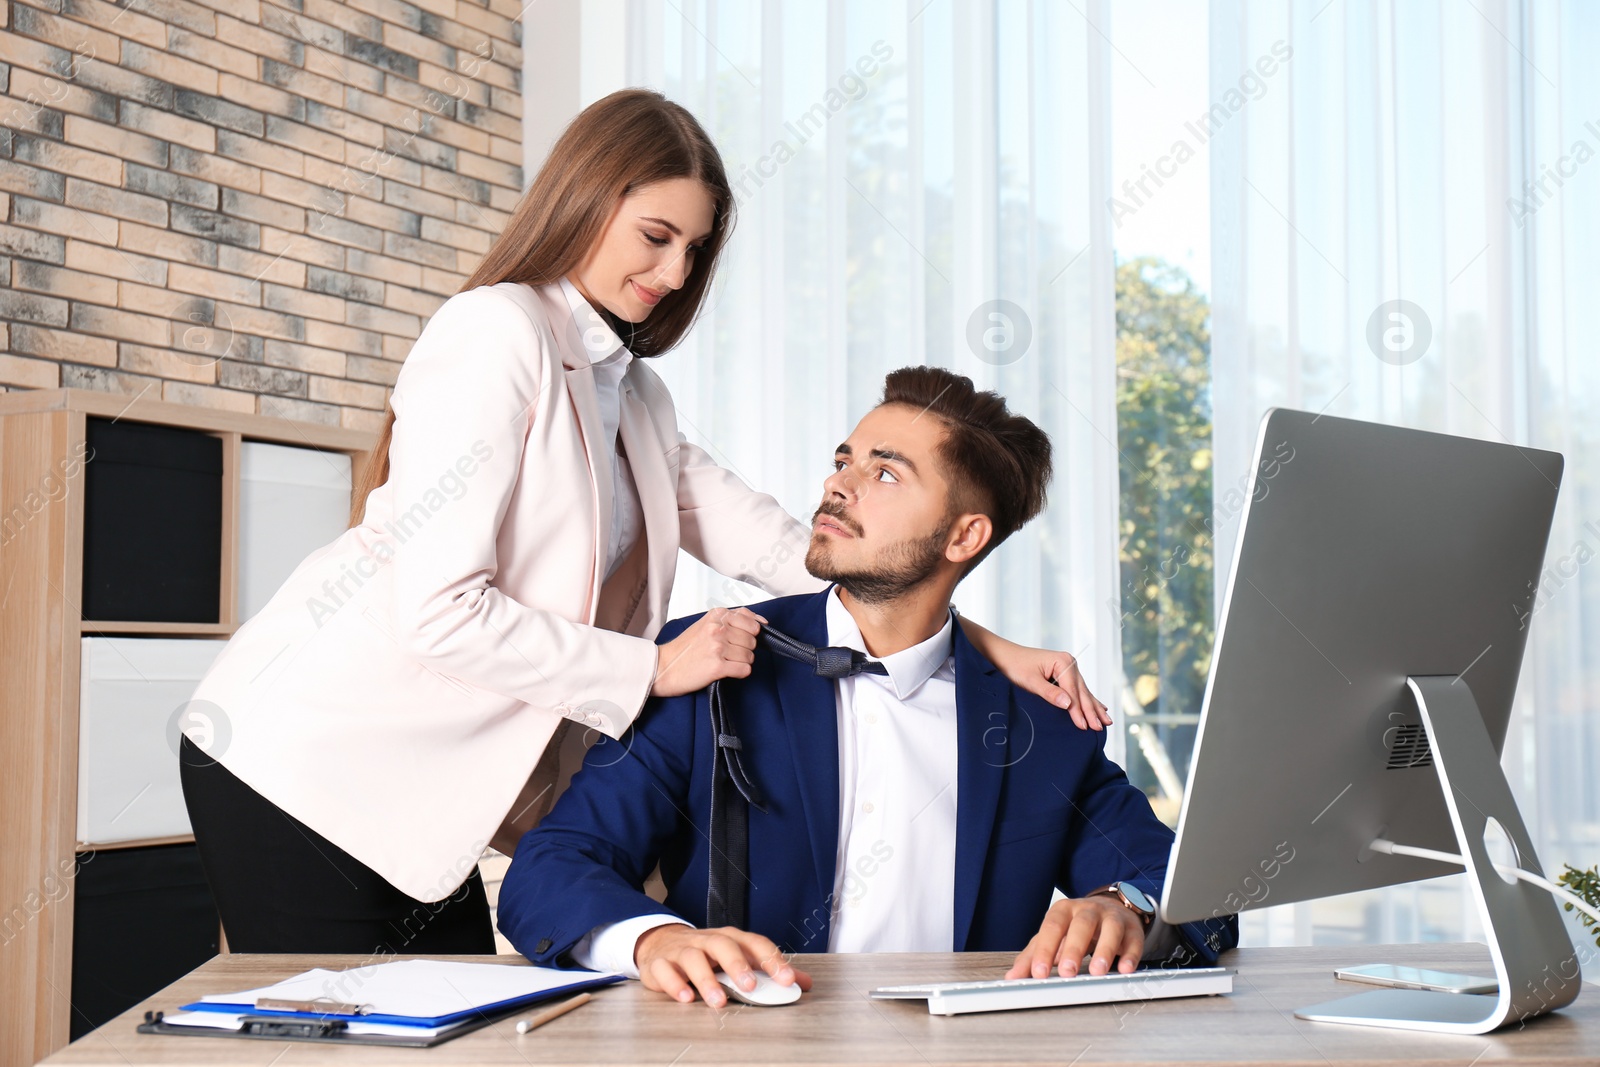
<point x="1071" y="928"/>
<point x="678" y="960"/>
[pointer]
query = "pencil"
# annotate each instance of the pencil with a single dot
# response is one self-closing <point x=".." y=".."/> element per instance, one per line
<point x="524" y="1025"/>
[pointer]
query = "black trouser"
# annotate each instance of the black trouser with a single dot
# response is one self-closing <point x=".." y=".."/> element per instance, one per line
<point x="282" y="887"/>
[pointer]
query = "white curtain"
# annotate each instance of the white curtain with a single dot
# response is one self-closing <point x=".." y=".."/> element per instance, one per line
<point x="900" y="167"/>
<point x="1438" y="153"/>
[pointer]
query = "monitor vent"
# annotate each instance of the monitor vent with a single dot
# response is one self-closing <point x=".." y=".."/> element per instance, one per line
<point x="1410" y="748"/>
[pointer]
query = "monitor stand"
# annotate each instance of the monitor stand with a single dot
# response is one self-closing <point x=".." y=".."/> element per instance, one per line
<point x="1533" y="957"/>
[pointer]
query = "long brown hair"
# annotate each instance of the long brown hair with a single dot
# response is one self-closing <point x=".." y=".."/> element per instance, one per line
<point x="615" y="146"/>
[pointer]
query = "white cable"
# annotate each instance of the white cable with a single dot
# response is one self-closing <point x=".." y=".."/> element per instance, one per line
<point x="1386" y="846"/>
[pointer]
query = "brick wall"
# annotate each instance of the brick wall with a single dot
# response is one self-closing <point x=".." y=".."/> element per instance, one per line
<point x="247" y="204"/>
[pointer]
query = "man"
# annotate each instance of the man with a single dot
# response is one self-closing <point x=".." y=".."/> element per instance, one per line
<point x="931" y="807"/>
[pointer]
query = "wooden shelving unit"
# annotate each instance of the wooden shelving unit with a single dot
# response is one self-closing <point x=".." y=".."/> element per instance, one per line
<point x="41" y="626"/>
<point x="162" y="629"/>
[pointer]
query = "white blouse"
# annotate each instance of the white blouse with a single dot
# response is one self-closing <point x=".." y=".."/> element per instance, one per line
<point x="609" y="359"/>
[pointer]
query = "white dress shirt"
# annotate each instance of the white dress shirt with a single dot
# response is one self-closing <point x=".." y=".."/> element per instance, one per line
<point x="894" y="881"/>
<point x="609" y="359"/>
<point x="894" y="875"/>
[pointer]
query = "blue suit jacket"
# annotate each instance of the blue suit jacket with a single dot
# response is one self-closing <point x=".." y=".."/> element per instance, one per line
<point x="1039" y="807"/>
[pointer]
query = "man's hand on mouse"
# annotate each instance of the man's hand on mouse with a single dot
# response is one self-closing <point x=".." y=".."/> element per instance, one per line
<point x="679" y="960"/>
<point x="1071" y="928"/>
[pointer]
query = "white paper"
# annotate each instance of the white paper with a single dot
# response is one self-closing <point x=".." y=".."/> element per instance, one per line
<point x="422" y="989"/>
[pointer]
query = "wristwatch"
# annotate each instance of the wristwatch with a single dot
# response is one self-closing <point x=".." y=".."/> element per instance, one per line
<point x="1131" y="897"/>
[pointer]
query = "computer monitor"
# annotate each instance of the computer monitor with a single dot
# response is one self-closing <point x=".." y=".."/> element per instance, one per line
<point x="1360" y="689"/>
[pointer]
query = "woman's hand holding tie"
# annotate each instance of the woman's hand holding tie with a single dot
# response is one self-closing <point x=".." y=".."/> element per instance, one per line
<point x="720" y="644"/>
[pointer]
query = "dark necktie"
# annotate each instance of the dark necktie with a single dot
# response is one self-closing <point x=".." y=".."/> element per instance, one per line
<point x="726" y="895"/>
<point x="830" y="662"/>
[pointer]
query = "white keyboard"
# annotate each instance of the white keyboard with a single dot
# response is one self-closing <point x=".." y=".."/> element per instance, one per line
<point x="1006" y="994"/>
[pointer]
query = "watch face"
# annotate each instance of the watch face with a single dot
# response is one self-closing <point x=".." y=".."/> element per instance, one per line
<point x="1136" y="897"/>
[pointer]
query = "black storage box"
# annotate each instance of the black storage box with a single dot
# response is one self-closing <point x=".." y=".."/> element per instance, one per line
<point x="142" y="919"/>
<point x="152" y="537"/>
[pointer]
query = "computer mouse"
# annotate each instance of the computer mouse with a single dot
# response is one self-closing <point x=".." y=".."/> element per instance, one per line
<point x="768" y="993"/>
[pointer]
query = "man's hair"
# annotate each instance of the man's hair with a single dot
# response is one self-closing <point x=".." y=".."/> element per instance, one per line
<point x="997" y="462"/>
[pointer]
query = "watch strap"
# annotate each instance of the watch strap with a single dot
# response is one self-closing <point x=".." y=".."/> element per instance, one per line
<point x="1114" y="891"/>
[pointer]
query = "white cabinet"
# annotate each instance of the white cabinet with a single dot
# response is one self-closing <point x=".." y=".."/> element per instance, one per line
<point x="292" y="501"/>
<point x="133" y="690"/>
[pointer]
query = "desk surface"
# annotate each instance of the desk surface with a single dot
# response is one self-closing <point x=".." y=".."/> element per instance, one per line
<point x="836" y="1024"/>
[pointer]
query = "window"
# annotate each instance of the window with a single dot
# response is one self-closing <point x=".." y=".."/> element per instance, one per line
<point x="1159" y="210"/>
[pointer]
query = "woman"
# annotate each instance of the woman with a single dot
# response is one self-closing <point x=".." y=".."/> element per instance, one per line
<point x="394" y="708"/>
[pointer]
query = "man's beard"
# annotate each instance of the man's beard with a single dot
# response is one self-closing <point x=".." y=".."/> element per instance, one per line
<point x="901" y="568"/>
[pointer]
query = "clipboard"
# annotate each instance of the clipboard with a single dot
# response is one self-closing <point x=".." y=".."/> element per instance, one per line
<point x="318" y="1031"/>
<point x="254" y="1020"/>
<point x="447" y="1019"/>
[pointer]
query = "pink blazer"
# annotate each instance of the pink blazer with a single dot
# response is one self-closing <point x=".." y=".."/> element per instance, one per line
<point x="398" y="691"/>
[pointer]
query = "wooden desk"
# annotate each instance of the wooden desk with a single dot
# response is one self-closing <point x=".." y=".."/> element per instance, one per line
<point x="837" y="1024"/>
